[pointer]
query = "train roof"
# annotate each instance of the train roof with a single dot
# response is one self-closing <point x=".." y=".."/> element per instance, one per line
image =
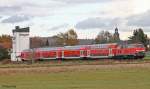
<point x="49" y="48"/>
<point x="135" y="45"/>
<point x="73" y="47"/>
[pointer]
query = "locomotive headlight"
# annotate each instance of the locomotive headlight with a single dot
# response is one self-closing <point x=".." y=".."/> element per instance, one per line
<point x="140" y="50"/>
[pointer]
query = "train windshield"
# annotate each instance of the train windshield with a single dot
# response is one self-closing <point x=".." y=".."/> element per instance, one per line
<point x="136" y="45"/>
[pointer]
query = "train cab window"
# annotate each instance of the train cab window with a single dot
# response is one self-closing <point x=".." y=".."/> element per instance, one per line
<point x="135" y="45"/>
<point x="140" y="46"/>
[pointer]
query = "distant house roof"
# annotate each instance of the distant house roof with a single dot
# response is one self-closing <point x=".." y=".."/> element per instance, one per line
<point x="86" y="41"/>
<point x="18" y="29"/>
<point x="52" y="42"/>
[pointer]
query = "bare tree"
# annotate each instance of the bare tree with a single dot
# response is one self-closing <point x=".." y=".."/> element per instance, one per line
<point x="104" y="37"/>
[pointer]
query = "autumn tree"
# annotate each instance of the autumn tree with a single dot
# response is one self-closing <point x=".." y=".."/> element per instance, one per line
<point x="6" y="41"/>
<point x="104" y="37"/>
<point x="72" y="37"/>
<point x="139" y="37"/>
<point x="68" y="38"/>
<point x="5" y="46"/>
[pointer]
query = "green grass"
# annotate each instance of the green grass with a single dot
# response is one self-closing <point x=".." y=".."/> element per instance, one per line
<point x="147" y="58"/>
<point x="126" y="78"/>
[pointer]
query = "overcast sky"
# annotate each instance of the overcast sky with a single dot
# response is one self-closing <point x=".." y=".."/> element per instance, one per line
<point x="87" y="17"/>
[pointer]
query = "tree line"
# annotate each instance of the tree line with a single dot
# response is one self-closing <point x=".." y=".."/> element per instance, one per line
<point x="70" y="38"/>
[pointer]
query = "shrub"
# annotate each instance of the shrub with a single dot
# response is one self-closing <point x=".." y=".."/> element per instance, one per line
<point x="3" y="54"/>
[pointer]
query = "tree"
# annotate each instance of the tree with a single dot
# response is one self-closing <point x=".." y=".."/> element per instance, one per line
<point x="5" y="46"/>
<point x="68" y="38"/>
<point x="6" y="41"/>
<point x="104" y="37"/>
<point x="3" y="53"/>
<point x="72" y="38"/>
<point x="36" y="42"/>
<point x="139" y="37"/>
<point x="60" y="39"/>
<point x="47" y="43"/>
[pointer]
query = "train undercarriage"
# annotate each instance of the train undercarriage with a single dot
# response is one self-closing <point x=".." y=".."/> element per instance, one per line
<point x="136" y="56"/>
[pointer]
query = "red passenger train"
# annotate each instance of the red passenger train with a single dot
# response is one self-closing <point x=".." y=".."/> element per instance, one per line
<point x="112" y="50"/>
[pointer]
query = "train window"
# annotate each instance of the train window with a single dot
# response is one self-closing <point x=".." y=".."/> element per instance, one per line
<point x="140" y="45"/>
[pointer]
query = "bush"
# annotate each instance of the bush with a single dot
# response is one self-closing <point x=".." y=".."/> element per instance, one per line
<point x="3" y="53"/>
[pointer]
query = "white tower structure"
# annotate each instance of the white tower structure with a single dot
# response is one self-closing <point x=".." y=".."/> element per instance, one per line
<point x="20" y="42"/>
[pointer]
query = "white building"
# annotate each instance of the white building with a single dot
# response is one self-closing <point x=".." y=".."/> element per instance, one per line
<point x="20" y="42"/>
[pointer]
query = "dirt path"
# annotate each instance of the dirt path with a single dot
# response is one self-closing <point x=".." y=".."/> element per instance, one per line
<point x="55" y="69"/>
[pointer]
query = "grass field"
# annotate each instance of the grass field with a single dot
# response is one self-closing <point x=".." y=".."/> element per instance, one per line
<point x="127" y="76"/>
<point x="147" y="57"/>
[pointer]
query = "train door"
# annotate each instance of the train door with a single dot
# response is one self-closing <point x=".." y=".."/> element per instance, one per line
<point x="88" y="53"/>
<point x="83" y="53"/>
<point x="110" y="52"/>
<point x="62" y="54"/>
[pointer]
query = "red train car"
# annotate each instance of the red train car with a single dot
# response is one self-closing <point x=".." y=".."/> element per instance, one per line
<point x="112" y="50"/>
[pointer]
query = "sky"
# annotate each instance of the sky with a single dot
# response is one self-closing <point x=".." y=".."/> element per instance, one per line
<point x="87" y="17"/>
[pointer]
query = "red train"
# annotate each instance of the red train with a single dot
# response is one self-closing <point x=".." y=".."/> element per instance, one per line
<point x="113" y="50"/>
